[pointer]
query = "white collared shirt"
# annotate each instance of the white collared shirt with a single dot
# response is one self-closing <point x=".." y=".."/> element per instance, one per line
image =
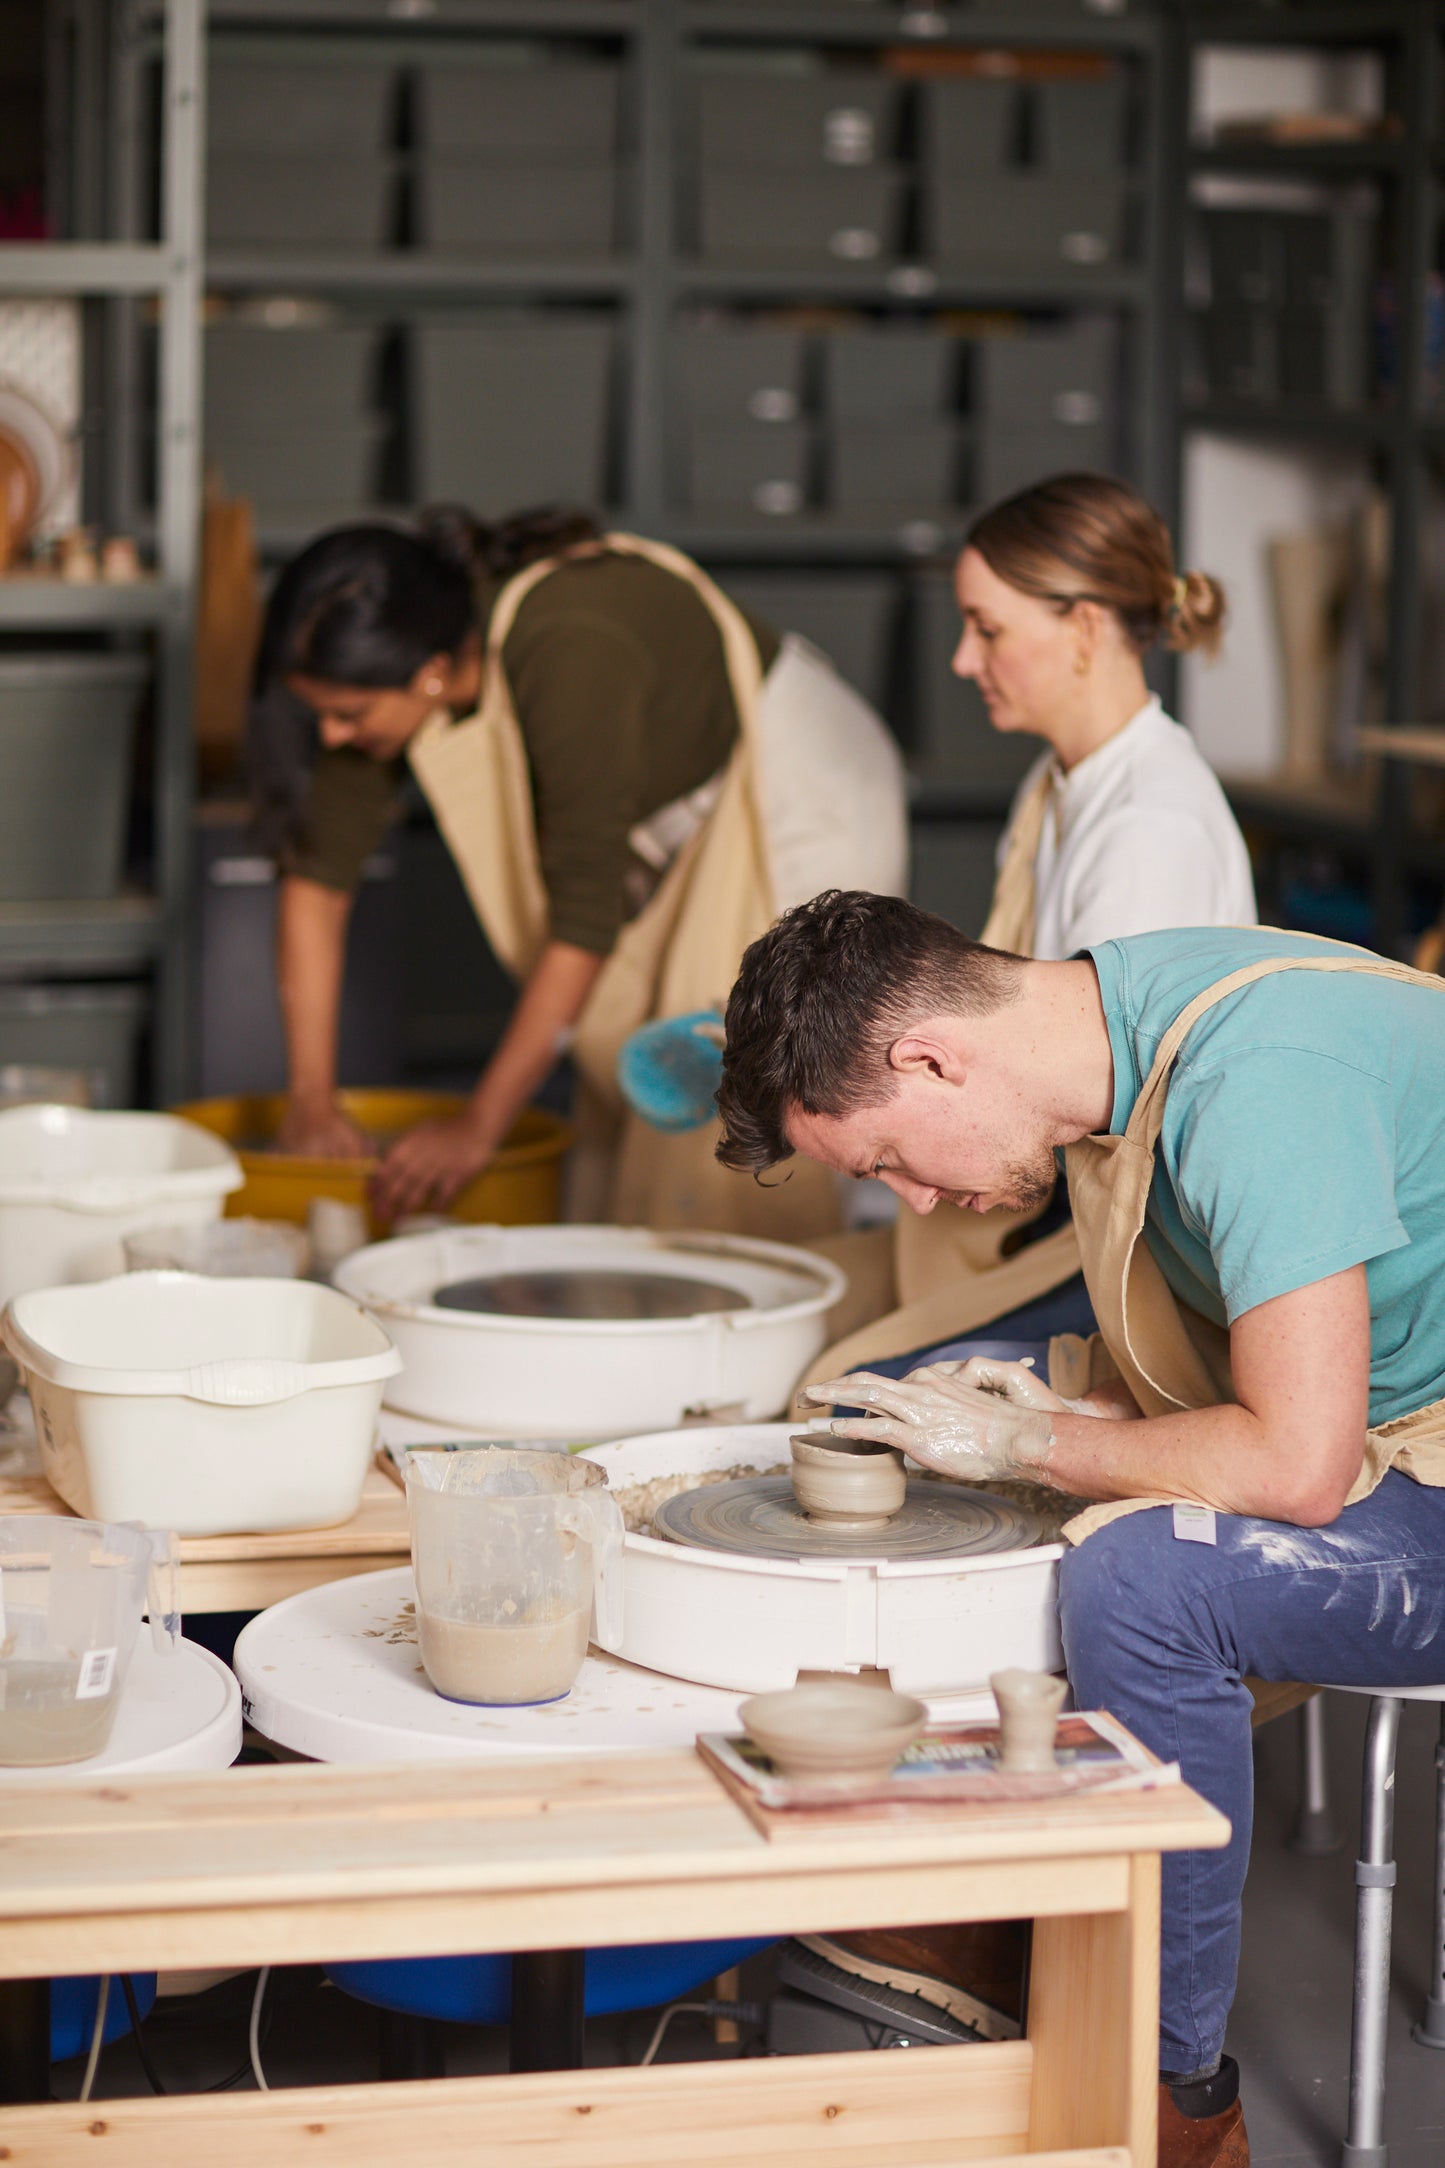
<point x="1137" y="836"/>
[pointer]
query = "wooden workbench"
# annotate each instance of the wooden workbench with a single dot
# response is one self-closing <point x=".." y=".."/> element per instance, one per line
<point x="301" y="1864"/>
<point x="248" y="1573"/>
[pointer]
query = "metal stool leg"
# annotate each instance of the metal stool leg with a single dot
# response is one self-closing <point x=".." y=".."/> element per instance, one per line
<point x="1430" y="2032"/>
<point x="1374" y="1906"/>
<point x="1316" y="1835"/>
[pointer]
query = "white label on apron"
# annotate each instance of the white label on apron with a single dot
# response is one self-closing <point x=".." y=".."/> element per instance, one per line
<point x="97" y="1669"/>
<point x="1194" y="1524"/>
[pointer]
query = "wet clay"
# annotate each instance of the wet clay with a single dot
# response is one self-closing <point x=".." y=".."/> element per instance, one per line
<point x="1028" y="1708"/>
<point x="846" y="1483"/>
<point x="536" y="1660"/>
<point x="41" y="1722"/>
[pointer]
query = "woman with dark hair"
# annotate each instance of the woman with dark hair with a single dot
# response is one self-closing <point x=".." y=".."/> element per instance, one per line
<point x="632" y="777"/>
<point x="1121" y="826"/>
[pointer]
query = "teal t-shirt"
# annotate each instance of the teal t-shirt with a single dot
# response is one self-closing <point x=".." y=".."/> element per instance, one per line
<point x="1304" y="1132"/>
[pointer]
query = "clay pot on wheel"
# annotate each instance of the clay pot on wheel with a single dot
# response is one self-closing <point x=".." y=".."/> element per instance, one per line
<point x="845" y="1481"/>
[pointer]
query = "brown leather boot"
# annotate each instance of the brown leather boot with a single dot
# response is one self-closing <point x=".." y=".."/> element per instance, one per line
<point x="1201" y="2125"/>
<point x="975" y="1973"/>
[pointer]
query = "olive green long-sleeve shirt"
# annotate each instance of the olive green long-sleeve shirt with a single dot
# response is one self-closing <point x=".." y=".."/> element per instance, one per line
<point x="622" y="698"/>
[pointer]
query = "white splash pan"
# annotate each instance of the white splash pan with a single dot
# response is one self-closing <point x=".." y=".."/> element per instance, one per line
<point x="539" y="1377"/>
<point x="937" y="1626"/>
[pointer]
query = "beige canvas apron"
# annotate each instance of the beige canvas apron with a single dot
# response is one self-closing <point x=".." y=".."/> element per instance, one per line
<point x="1168" y="1355"/>
<point x="680" y="952"/>
<point x="952" y="1271"/>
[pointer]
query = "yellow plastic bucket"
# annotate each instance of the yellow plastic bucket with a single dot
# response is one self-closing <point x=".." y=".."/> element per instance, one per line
<point x="521" y="1188"/>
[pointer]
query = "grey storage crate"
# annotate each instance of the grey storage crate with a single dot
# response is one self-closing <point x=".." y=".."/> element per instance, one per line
<point x="316" y="470"/>
<point x="852" y="617"/>
<point x="906" y="464"/>
<point x="300" y="202"/>
<point x="1026" y="220"/>
<point x="94" y="1028"/>
<point x="1067" y="374"/>
<point x="970" y="125"/>
<point x="511" y="413"/>
<point x="952" y="738"/>
<point x="1008" y="460"/>
<point x="842" y="217"/>
<point x="553" y="110"/>
<point x="748" y="118"/>
<point x="67" y="730"/>
<point x="953" y="865"/>
<point x="256" y="376"/>
<point x="760" y="466"/>
<point x="1238" y="353"/>
<point x="743" y="371"/>
<point x="305" y="102"/>
<point x="469" y="207"/>
<point x="1079" y="124"/>
<point x="879" y="375"/>
<point x="1244" y="256"/>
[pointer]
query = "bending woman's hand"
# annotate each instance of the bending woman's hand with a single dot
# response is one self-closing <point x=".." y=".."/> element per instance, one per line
<point x="430" y="1165"/>
<point x="319" y="1130"/>
<point x="946" y="1423"/>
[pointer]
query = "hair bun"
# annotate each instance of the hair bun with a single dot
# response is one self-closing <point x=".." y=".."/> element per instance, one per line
<point x="1196" y="614"/>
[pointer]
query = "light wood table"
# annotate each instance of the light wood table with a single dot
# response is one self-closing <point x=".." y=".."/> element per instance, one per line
<point x="249" y="1573"/>
<point x="302" y="1864"/>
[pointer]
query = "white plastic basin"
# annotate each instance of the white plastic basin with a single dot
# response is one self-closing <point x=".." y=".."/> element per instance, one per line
<point x="573" y="1378"/>
<point x="74" y="1183"/>
<point x="214" y="1407"/>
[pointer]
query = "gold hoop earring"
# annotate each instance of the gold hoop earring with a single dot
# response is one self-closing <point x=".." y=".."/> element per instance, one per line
<point x="1081" y="666"/>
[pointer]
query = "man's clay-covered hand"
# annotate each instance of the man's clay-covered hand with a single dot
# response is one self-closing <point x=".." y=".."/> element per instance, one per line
<point x="940" y="1419"/>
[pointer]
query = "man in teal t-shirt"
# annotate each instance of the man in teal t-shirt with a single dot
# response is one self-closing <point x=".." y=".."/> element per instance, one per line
<point x="1297" y="1200"/>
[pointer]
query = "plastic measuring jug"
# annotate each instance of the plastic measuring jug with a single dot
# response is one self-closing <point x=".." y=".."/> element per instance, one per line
<point x="517" y="1557"/>
<point x="71" y="1597"/>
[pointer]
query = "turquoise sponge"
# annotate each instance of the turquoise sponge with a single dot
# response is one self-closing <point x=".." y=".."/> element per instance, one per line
<point x="670" y="1071"/>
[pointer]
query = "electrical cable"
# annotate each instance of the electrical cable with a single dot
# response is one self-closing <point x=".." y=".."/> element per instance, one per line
<point x="741" y="2013"/>
<point x="254" y="2036"/>
<point x="133" y="2008"/>
<point x="97" y="2037"/>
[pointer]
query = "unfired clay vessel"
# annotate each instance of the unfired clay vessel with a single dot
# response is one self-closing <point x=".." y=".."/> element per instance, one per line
<point x="834" y="1732"/>
<point x="1028" y="1710"/>
<point x="844" y="1481"/>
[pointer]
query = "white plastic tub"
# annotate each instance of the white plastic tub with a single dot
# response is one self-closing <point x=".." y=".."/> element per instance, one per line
<point x="74" y="1183"/>
<point x="214" y="1407"/>
<point x="573" y="1378"/>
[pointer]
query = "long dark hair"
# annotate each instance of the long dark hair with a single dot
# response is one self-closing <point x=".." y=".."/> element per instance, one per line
<point x="367" y="606"/>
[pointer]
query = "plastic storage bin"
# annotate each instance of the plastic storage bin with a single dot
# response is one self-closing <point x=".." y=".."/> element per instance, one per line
<point x="74" y="1184"/>
<point x="766" y="466"/>
<point x="972" y="125"/>
<point x="553" y="109"/>
<point x="742" y="372"/>
<point x="1027" y="219"/>
<point x="1079" y="124"/>
<point x="1006" y="460"/>
<point x="93" y="1030"/>
<point x="871" y="376"/>
<point x="851" y="616"/>
<point x="257" y="378"/>
<point x="511" y="412"/>
<point x="208" y="1406"/>
<point x="299" y="201"/>
<point x="752" y="118"/>
<point x="1068" y="375"/>
<point x="895" y="464"/>
<point x="328" y="101"/>
<point x="312" y="470"/>
<point x="842" y="217"/>
<point x="67" y="726"/>
<point x="468" y="207"/>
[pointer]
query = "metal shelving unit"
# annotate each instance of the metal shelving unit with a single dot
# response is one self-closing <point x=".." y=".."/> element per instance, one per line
<point x="112" y="264"/>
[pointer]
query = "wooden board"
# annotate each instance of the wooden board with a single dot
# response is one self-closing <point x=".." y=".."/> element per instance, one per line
<point x="248" y="1572"/>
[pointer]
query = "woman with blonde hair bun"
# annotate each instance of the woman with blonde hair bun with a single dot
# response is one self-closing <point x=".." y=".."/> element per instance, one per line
<point x="1121" y="826"/>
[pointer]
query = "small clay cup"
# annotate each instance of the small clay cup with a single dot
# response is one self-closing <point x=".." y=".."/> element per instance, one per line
<point x="1028" y="1711"/>
<point x="835" y="1733"/>
<point x="846" y="1483"/>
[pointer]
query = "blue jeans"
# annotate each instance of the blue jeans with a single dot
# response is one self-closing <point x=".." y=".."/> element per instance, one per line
<point x="1159" y="1632"/>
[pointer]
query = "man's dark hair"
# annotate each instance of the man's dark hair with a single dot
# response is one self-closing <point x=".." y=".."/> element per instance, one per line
<point x="820" y="998"/>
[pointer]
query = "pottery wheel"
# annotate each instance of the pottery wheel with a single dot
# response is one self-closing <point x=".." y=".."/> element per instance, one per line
<point x="760" y="1516"/>
<point x="589" y="1292"/>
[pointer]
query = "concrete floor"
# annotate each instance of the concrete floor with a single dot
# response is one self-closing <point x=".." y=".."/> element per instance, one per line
<point x="1290" y="2032"/>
